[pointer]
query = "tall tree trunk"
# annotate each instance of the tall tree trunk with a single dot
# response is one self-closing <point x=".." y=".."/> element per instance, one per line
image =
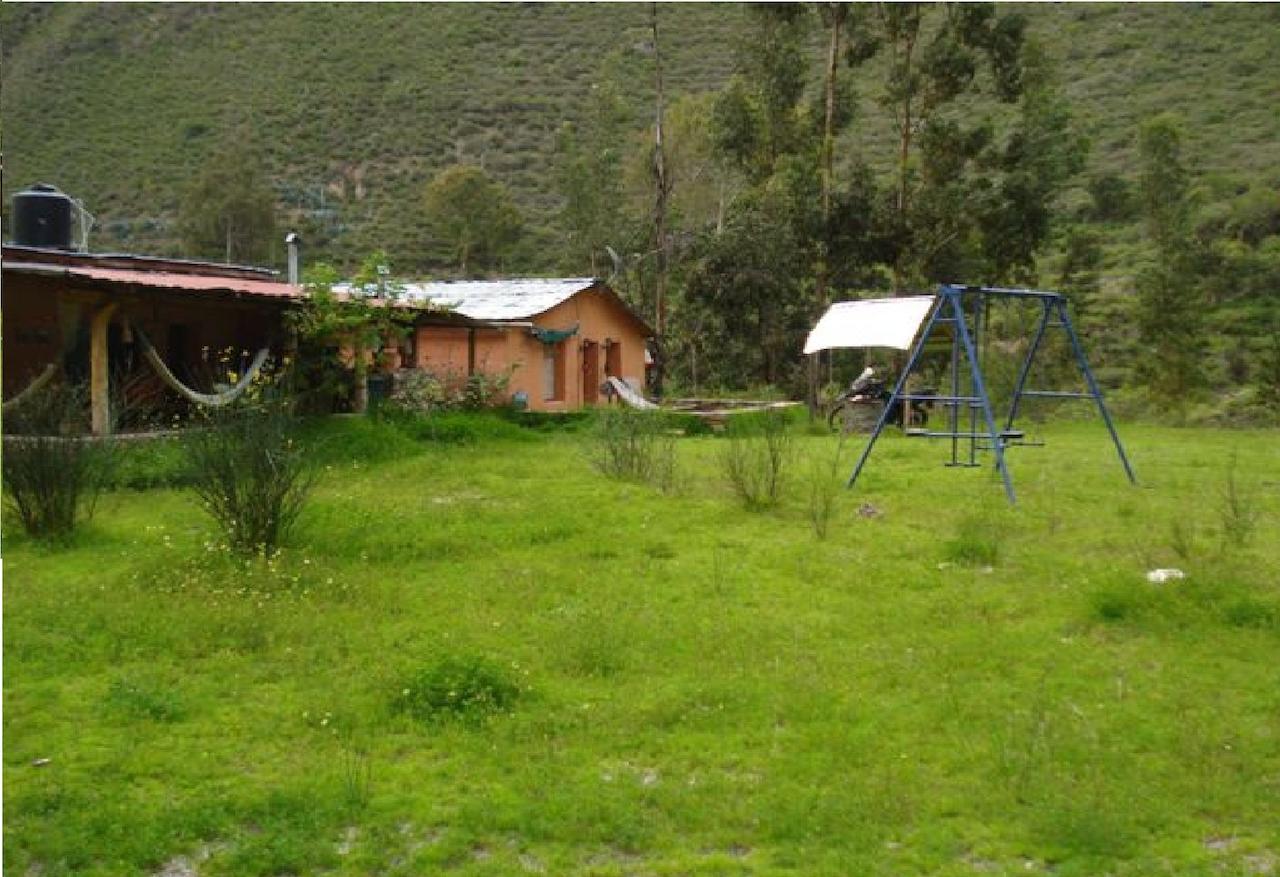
<point x="720" y="209"/>
<point x="904" y="149"/>
<point x="659" y="222"/>
<point x="838" y="12"/>
<point x="360" y="393"/>
<point x="828" y="161"/>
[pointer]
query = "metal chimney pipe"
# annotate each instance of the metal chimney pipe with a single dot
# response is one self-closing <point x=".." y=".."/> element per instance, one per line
<point x="294" y="242"/>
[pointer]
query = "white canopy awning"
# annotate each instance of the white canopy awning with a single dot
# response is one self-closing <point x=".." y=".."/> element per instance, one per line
<point x="872" y="322"/>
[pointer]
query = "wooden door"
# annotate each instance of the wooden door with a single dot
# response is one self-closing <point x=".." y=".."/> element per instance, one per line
<point x="590" y="372"/>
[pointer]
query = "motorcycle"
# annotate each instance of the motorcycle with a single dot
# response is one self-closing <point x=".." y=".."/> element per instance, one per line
<point x="858" y="408"/>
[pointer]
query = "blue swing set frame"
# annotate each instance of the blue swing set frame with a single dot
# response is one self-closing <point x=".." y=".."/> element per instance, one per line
<point x="949" y="310"/>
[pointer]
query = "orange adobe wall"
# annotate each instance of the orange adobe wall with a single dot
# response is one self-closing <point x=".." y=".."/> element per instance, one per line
<point x="560" y="377"/>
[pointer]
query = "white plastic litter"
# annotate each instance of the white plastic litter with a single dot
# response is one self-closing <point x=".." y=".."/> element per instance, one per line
<point x="872" y="322"/>
<point x="1160" y="576"/>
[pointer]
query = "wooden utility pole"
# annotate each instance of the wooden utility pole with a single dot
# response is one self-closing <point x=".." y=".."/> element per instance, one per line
<point x="659" y="222"/>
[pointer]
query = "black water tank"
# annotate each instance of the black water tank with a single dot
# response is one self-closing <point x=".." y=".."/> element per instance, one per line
<point x="42" y="218"/>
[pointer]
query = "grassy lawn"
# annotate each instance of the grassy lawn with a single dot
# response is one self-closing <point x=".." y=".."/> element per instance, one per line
<point x="944" y="685"/>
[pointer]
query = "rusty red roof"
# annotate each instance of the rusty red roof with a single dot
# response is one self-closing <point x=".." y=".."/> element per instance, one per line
<point x="163" y="279"/>
<point x="194" y="282"/>
<point x="46" y="256"/>
<point x="182" y="276"/>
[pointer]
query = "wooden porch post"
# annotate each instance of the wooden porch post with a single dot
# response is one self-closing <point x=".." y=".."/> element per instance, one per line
<point x="471" y="352"/>
<point x="360" y="398"/>
<point x="99" y="366"/>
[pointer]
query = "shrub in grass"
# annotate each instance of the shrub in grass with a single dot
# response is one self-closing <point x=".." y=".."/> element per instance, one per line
<point x="458" y="427"/>
<point x="756" y="457"/>
<point x="823" y="485"/>
<point x="356" y="764"/>
<point x="339" y="441"/>
<point x="150" y="463"/>
<point x="1238" y="510"/>
<point x="597" y="652"/>
<point x="249" y="470"/>
<point x="53" y="470"/>
<point x="418" y="391"/>
<point x="549" y="421"/>
<point x="1120" y="601"/>
<point x="143" y="700"/>
<point x="976" y="542"/>
<point x="634" y="445"/>
<point x="1252" y="613"/>
<point x="1085" y="826"/>
<point x="463" y="687"/>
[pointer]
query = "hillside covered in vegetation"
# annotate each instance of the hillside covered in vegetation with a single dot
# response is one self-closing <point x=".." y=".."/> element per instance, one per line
<point x="354" y="107"/>
<point x="352" y="110"/>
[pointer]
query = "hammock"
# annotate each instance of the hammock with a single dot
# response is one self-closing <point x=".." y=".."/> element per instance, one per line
<point x="628" y="394"/>
<point x="226" y="397"/>
<point x="553" y="336"/>
<point x="37" y="384"/>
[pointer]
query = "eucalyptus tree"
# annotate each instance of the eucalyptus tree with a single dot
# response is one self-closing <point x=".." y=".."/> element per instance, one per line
<point x="752" y="284"/>
<point x="933" y="53"/>
<point x="591" y="159"/>
<point x="1037" y="157"/>
<point x="662" y="191"/>
<point x="761" y="116"/>
<point x="229" y="210"/>
<point x="1170" y="306"/>
<point x="473" y="215"/>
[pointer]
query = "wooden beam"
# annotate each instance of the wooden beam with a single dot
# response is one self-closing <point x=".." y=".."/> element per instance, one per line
<point x="471" y="352"/>
<point x="99" y="367"/>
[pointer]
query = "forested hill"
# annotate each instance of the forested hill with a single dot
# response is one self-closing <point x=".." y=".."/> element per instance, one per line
<point x="355" y="106"/>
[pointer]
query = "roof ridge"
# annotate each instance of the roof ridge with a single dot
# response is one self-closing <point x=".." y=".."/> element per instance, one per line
<point x="505" y="280"/>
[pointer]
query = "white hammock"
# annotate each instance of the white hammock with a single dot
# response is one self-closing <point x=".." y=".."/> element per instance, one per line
<point x="627" y="394"/>
<point x="226" y="397"/>
<point x="37" y="384"/>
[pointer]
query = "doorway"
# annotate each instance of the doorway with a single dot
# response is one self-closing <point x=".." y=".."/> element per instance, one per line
<point x="590" y="372"/>
<point x="613" y="359"/>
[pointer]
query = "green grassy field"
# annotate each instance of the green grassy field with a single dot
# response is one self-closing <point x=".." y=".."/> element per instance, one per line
<point x="944" y="685"/>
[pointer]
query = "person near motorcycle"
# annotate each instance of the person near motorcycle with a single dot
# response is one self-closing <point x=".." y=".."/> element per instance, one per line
<point x="862" y="381"/>
<point x="869" y="389"/>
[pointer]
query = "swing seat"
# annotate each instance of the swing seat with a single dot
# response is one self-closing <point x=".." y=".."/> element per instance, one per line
<point x="1008" y="434"/>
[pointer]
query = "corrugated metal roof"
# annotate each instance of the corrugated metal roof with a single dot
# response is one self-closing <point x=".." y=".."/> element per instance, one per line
<point x="46" y="256"/>
<point x="164" y="279"/>
<point x="498" y="299"/>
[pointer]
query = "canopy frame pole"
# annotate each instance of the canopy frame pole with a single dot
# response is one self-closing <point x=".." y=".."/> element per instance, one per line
<point x="885" y="414"/>
<point x="953" y="407"/>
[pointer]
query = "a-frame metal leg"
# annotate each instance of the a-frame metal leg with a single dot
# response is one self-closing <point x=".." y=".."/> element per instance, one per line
<point x="953" y="407"/>
<point x="1094" y="390"/>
